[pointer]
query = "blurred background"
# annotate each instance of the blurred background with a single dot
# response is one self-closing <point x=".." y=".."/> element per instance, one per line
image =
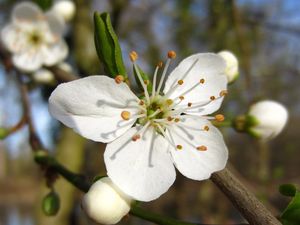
<point x="264" y="35"/>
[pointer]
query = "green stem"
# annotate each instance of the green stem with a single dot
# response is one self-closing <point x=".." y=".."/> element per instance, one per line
<point x="225" y="123"/>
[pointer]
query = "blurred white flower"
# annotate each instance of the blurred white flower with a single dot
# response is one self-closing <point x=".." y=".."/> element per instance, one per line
<point x="104" y="203"/>
<point x="43" y="76"/>
<point x="150" y="135"/>
<point x="34" y="38"/>
<point x="65" y="8"/>
<point x="270" y="118"/>
<point x="232" y="65"/>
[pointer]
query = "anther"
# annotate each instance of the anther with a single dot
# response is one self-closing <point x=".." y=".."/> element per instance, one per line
<point x="177" y="120"/>
<point x="141" y="102"/>
<point x="171" y="54"/>
<point x="146" y="82"/>
<point x="189" y="104"/>
<point x="212" y="98"/>
<point x="206" y="128"/>
<point x="219" y="117"/>
<point x="181" y="97"/>
<point x="180" y="82"/>
<point x="160" y="64"/>
<point x="170" y="118"/>
<point x="136" y="137"/>
<point x="169" y="102"/>
<point x="223" y="93"/>
<point x="133" y="56"/>
<point x="202" y="81"/>
<point x="179" y="147"/>
<point x="125" y="115"/>
<point x="202" y="148"/>
<point x="119" y="79"/>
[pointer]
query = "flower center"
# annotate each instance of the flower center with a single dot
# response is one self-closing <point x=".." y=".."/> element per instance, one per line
<point x="35" y="38"/>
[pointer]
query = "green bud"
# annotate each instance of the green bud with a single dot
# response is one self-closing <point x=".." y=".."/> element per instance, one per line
<point x="288" y="190"/>
<point x="244" y="123"/>
<point x="3" y="133"/>
<point x="107" y="46"/>
<point x="51" y="204"/>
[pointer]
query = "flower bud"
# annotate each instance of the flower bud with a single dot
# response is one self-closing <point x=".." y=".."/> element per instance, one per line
<point x="65" y="8"/>
<point x="51" y="204"/>
<point x="43" y="76"/>
<point x="232" y="65"/>
<point x="270" y="117"/>
<point x="104" y="203"/>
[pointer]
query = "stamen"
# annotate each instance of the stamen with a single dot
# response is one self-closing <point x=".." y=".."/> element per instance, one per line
<point x="135" y="137"/>
<point x="189" y="104"/>
<point x="140" y="133"/>
<point x="181" y="98"/>
<point x="142" y="83"/>
<point x="133" y="56"/>
<point x="202" y="148"/>
<point x="223" y="93"/>
<point x="154" y="80"/>
<point x="155" y="113"/>
<point x="119" y="79"/>
<point x="171" y="54"/>
<point x="179" y="147"/>
<point x="212" y="98"/>
<point x="187" y="91"/>
<point x="169" y="102"/>
<point x="202" y="81"/>
<point x="141" y="102"/>
<point x="146" y="82"/>
<point x="180" y="82"/>
<point x="169" y="118"/>
<point x="125" y="115"/>
<point x="163" y="75"/>
<point x="219" y="117"/>
<point x="177" y="120"/>
<point x="206" y="128"/>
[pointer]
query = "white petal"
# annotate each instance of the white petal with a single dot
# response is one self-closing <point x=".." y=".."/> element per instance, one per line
<point x="56" y="23"/>
<point x="143" y="169"/>
<point x="192" y="163"/>
<point x="12" y="38"/>
<point x="55" y="53"/>
<point x="28" y="61"/>
<point x="207" y="66"/>
<point x="26" y="12"/>
<point x="92" y="106"/>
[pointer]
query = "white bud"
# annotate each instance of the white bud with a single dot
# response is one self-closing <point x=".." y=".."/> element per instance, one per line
<point x="43" y="76"/>
<point x="66" y="67"/>
<point x="270" y="117"/>
<point x="65" y="8"/>
<point x="104" y="203"/>
<point x="232" y="65"/>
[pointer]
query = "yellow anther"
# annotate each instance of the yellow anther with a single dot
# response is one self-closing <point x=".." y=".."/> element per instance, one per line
<point x="170" y="118"/>
<point x="141" y="102"/>
<point x="179" y="147"/>
<point x="160" y="64"/>
<point x="180" y="82"/>
<point x="181" y="97"/>
<point x="146" y="82"/>
<point x="125" y="115"/>
<point x="189" y="104"/>
<point x="223" y="93"/>
<point x="202" y="81"/>
<point x="133" y="56"/>
<point x="212" y="98"/>
<point x="177" y="120"/>
<point x="119" y="79"/>
<point x="171" y="54"/>
<point x="206" y="128"/>
<point x="136" y="137"/>
<point x="202" y="148"/>
<point x="219" y="117"/>
<point x="169" y="102"/>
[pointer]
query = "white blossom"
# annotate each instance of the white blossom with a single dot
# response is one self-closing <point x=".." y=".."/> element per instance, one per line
<point x="104" y="203"/>
<point x="148" y="136"/>
<point x="232" y="65"/>
<point x="34" y="38"/>
<point x="65" y="8"/>
<point x="270" y="118"/>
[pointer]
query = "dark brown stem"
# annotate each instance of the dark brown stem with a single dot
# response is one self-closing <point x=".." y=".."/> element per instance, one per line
<point x="245" y="202"/>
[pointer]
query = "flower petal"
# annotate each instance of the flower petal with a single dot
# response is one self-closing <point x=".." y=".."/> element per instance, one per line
<point x="28" y="61"/>
<point x="56" y="23"/>
<point x="211" y="155"/>
<point x="12" y="39"/>
<point x="207" y="66"/>
<point x="92" y="106"/>
<point x="142" y="169"/>
<point x="26" y="12"/>
<point x="55" y="53"/>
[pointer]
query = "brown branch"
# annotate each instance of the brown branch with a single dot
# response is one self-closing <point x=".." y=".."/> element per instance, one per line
<point x="246" y="203"/>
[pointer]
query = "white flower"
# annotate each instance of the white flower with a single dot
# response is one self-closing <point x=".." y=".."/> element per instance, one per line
<point x="270" y="118"/>
<point x="232" y="65"/>
<point x="147" y="135"/>
<point x="104" y="203"/>
<point x="65" y="8"/>
<point x="34" y="38"/>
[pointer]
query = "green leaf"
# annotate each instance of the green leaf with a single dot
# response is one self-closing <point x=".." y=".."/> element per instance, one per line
<point x="288" y="190"/>
<point x="51" y="204"/>
<point x="291" y="215"/>
<point x="107" y="46"/>
<point x="44" y="4"/>
<point x="145" y="77"/>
